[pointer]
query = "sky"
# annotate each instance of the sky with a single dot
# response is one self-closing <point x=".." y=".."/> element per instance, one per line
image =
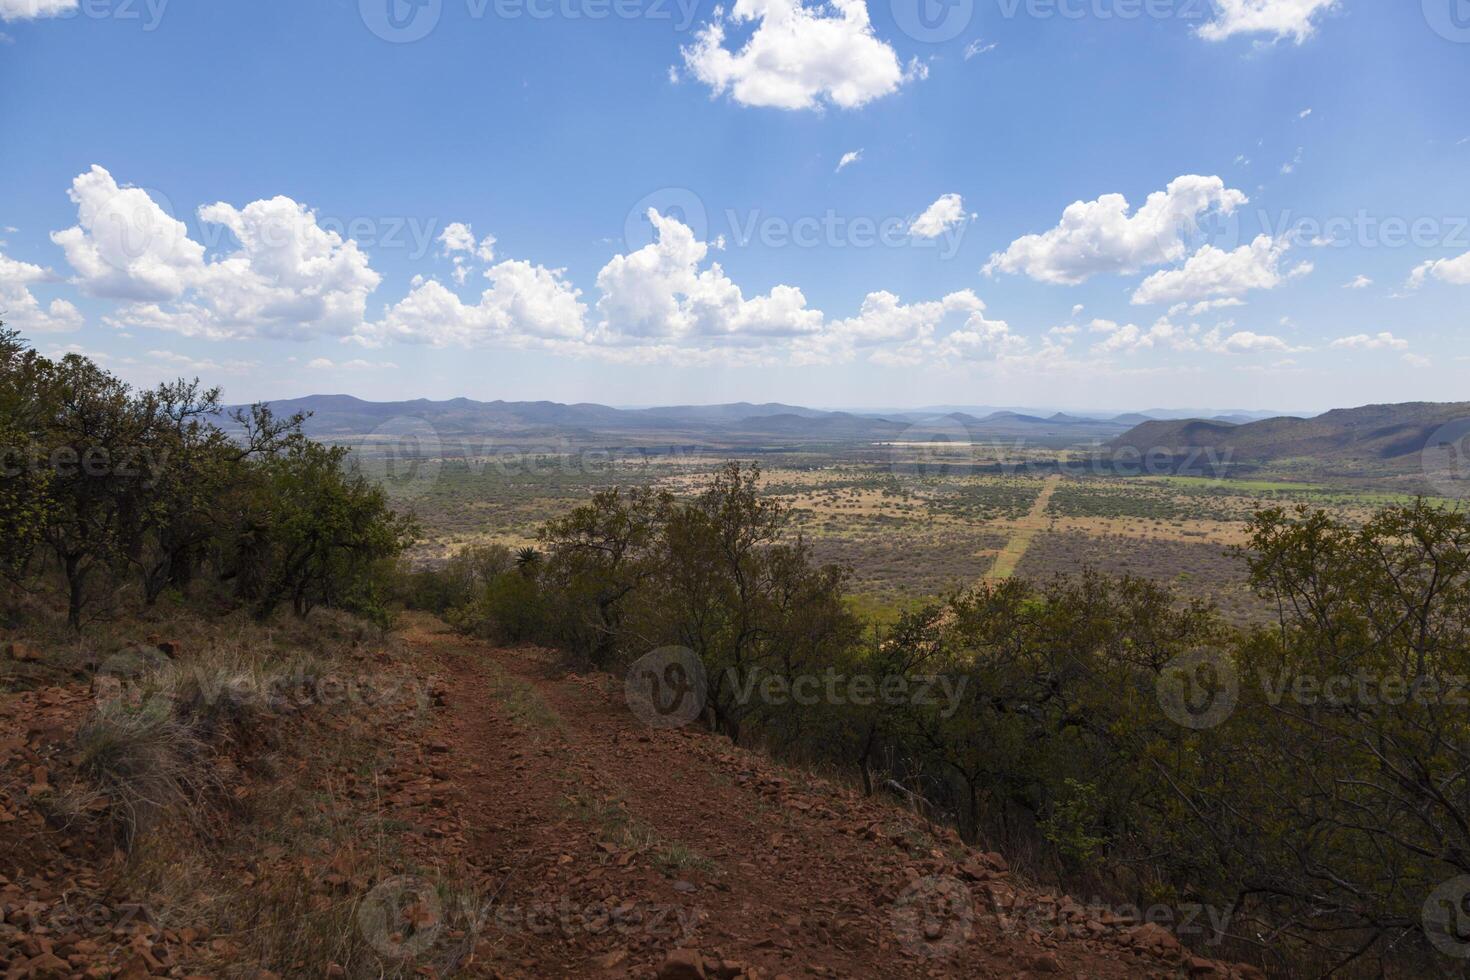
<point x="1083" y="204"/>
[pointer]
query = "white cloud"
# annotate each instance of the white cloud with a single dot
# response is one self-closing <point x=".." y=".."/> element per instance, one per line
<point x="1304" y="113"/>
<point x="798" y="57"/>
<point x="848" y="159"/>
<point x="124" y="245"/>
<point x="459" y="245"/>
<point x="1358" y="282"/>
<point x="1417" y="361"/>
<point x="1454" y="271"/>
<point x="11" y="10"/>
<point x="526" y="305"/>
<point x="20" y="309"/>
<point x="1295" y="19"/>
<point x="1205" y="306"/>
<point x="1215" y="273"/>
<point x="1362" y="341"/>
<point x="1244" y="342"/>
<point x="978" y="46"/>
<point x="1289" y="167"/>
<point x="1101" y="237"/>
<point x="939" y="217"/>
<point x="288" y="278"/>
<point x="1129" y="337"/>
<point x="356" y="364"/>
<point x="660" y="292"/>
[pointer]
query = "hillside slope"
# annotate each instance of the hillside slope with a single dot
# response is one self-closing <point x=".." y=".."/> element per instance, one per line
<point x="567" y="799"/>
<point x="436" y="806"/>
<point x="1372" y="438"/>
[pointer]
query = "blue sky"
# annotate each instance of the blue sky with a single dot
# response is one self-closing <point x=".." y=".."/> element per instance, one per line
<point x="406" y="198"/>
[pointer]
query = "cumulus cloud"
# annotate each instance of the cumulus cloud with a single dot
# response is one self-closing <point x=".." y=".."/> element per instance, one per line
<point x="660" y="292"/>
<point x="288" y="278"/>
<point x="1358" y="282"/>
<point x="848" y="159"/>
<point x="1129" y="337"/>
<point x="1164" y="334"/>
<point x="525" y="305"/>
<point x="124" y="245"/>
<point x="459" y="246"/>
<point x="1102" y="237"/>
<point x="798" y="57"/>
<point x="939" y="217"/>
<point x="1280" y="19"/>
<point x="1215" y="273"/>
<point x="22" y="311"/>
<point x="1454" y="271"/>
<point x="1363" y="341"/>
<point x="11" y="10"/>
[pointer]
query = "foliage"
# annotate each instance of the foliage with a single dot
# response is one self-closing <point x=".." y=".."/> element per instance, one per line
<point x="103" y="486"/>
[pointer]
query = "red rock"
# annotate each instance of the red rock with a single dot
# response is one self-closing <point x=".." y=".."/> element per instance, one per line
<point x="22" y="653"/>
<point x="683" y="964"/>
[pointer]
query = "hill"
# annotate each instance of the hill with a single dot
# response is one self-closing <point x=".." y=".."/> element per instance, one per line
<point x="1372" y="440"/>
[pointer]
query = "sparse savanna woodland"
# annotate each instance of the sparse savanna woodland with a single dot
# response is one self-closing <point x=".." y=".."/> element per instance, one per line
<point x="218" y="570"/>
<point x="1320" y="812"/>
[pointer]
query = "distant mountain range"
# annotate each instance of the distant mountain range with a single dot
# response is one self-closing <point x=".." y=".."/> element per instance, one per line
<point x="343" y="416"/>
